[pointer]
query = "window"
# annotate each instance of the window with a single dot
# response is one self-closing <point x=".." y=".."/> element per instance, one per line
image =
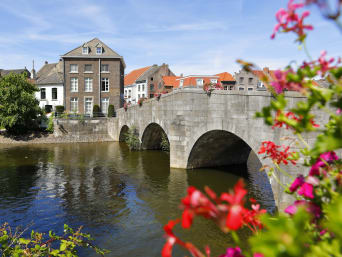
<point x="214" y="81"/>
<point x="241" y="88"/>
<point x="85" y="50"/>
<point x="231" y="87"/>
<point x="88" y="105"/>
<point x="88" y="85"/>
<point x="250" y="89"/>
<point x="54" y="93"/>
<point x="104" y="105"/>
<point x="199" y="82"/>
<point x="241" y="80"/>
<point x="74" y="84"/>
<point x="42" y="93"/>
<point x="98" y="50"/>
<point x="250" y="80"/>
<point x="104" y="68"/>
<point x="74" y="104"/>
<point x="151" y="87"/>
<point x="143" y="88"/>
<point x="138" y="87"/>
<point x="74" y="68"/>
<point x="143" y="96"/>
<point x="260" y="84"/>
<point x="88" y="68"/>
<point x="160" y="85"/>
<point x="151" y="78"/>
<point x="105" y="85"/>
<point x="129" y="93"/>
<point x="125" y="94"/>
<point x="181" y="82"/>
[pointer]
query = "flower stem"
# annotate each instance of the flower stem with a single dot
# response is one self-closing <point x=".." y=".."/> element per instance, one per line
<point x="283" y="171"/>
<point x="300" y="137"/>
<point x="306" y="50"/>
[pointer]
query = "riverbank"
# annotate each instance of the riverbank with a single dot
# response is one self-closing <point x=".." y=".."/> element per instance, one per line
<point x="39" y="137"/>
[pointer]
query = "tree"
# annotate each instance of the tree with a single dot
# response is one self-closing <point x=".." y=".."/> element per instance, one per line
<point x="19" y="109"/>
<point x="96" y="110"/>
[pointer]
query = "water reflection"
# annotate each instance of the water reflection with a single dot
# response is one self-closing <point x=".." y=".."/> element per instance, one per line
<point x="123" y="198"/>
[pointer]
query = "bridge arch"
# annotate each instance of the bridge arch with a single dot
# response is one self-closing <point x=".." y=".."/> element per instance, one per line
<point x="153" y="136"/>
<point x="217" y="148"/>
<point x="124" y="129"/>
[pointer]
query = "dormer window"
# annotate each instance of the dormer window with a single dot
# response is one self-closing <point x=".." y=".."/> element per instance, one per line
<point x="98" y="50"/>
<point x="199" y="82"/>
<point x="85" y="50"/>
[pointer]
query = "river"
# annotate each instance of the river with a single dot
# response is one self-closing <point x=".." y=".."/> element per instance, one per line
<point x="122" y="198"/>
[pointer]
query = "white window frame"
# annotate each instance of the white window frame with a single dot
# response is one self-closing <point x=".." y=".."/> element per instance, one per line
<point x="106" y="80"/>
<point x="73" y="100"/>
<point x="104" y="103"/>
<point x="199" y="82"/>
<point x="73" y="70"/>
<point x="250" y="89"/>
<point x="101" y="50"/>
<point x="143" y="88"/>
<point x="52" y="89"/>
<point x="43" y="89"/>
<point x="104" y="71"/>
<point x="85" y="50"/>
<point x="181" y="82"/>
<point x="213" y="81"/>
<point x="73" y="84"/>
<point x="241" y="89"/>
<point x="86" y="101"/>
<point x="90" y="71"/>
<point x="88" y="85"/>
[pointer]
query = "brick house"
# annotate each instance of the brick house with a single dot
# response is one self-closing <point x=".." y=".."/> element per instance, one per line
<point x="93" y="74"/>
<point x="17" y="71"/>
<point x="251" y="80"/>
<point x="145" y="82"/>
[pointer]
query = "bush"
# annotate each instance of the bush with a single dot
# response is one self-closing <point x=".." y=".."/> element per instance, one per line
<point x="13" y="244"/>
<point x="19" y="108"/>
<point x="165" y="145"/>
<point x="50" y="124"/>
<point x="59" y="108"/>
<point x="96" y="110"/>
<point x="132" y="139"/>
<point x="111" y="111"/>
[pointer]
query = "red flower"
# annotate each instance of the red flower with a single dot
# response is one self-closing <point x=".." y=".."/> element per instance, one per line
<point x="236" y="209"/>
<point x="232" y="252"/>
<point x="271" y="150"/>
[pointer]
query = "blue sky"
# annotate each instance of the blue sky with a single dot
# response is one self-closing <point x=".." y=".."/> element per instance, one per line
<point x="192" y="36"/>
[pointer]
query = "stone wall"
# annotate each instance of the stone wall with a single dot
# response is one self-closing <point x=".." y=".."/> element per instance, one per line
<point x="88" y="130"/>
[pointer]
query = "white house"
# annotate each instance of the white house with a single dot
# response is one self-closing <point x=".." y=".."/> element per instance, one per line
<point x="49" y="80"/>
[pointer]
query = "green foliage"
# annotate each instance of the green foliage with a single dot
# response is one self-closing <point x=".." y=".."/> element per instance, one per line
<point x="165" y="145"/>
<point x="50" y="124"/>
<point x="283" y="236"/>
<point x="132" y="139"/>
<point x="96" y="110"/>
<point x="111" y="111"/>
<point x="19" y="108"/>
<point x="59" y="108"/>
<point x="13" y="244"/>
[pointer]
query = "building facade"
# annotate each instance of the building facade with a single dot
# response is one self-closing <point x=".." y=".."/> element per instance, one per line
<point x="49" y="80"/>
<point x="145" y="82"/>
<point x="251" y="80"/>
<point x="93" y="74"/>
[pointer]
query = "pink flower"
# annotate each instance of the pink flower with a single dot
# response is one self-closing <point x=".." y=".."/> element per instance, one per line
<point x="258" y="255"/>
<point x="306" y="190"/>
<point x="324" y="63"/>
<point x="289" y="20"/>
<point x="324" y="158"/>
<point x="298" y="182"/>
<point x="233" y="252"/>
<point x="310" y="207"/>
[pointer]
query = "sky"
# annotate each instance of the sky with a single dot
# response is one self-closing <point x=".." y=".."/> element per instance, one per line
<point x="192" y="36"/>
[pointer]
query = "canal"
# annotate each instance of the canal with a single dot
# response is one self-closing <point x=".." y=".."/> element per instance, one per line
<point x="122" y="198"/>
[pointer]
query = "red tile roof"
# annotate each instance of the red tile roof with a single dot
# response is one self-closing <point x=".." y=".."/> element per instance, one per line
<point x="171" y="81"/>
<point x="191" y="80"/>
<point x="225" y="76"/>
<point x="131" y="77"/>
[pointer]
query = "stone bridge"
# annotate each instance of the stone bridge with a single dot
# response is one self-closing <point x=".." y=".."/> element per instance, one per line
<point x="206" y="131"/>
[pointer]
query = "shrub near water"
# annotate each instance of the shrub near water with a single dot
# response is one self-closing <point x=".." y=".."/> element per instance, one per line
<point x="19" y="109"/>
<point x="132" y="139"/>
<point x="96" y="110"/>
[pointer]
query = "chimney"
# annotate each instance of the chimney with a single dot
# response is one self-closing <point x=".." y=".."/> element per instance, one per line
<point x="266" y="70"/>
<point x="46" y="62"/>
<point x="33" y="71"/>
